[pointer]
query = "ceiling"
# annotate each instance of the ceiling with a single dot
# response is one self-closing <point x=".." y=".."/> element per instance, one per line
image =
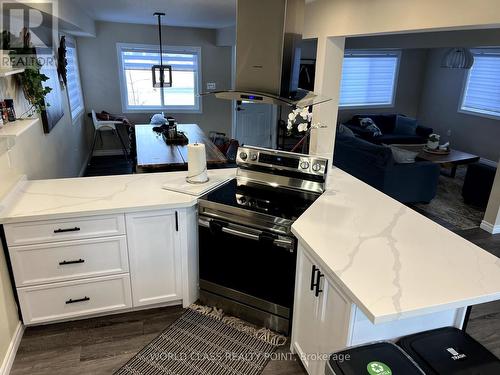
<point x="189" y="13"/>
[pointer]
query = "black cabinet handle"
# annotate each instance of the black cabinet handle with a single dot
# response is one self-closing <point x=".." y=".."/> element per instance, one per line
<point x="313" y="274"/>
<point x="84" y="299"/>
<point x="66" y="262"/>
<point x="75" y="229"/>
<point x="319" y="276"/>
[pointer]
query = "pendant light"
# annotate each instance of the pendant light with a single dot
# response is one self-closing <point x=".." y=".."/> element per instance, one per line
<point x="162" y="74"/>
<point x="458" y="58"/>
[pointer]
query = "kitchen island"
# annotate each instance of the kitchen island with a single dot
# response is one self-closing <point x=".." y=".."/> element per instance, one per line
<point x="370" y="268"/>
<point x="381" y="270"/>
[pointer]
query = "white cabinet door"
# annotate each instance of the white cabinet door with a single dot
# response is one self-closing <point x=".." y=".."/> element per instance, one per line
<point x="305" y="324"/>
<point x="333" y="319"/>
<point x="154" y="254"/>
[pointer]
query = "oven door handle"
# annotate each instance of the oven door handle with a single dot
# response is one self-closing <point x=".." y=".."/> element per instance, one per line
<point x="256" y="235"/>
<point x="235" y="232"/>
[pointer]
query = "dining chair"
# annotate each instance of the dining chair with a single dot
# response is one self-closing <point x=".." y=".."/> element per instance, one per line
<point x="102" y="126"/>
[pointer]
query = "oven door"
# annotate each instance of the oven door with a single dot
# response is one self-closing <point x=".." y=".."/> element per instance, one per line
<point x="251" y="266"/>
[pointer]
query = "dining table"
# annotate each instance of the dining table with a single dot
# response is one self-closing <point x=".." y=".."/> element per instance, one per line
<point x="155" y="155"/>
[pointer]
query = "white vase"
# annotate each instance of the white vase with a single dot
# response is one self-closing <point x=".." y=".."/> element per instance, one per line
<point x="432" y="145"/>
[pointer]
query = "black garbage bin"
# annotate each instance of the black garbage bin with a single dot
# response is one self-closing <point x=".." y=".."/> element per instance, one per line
<point x="382" y="358"/>
<point x="449" y="351"/>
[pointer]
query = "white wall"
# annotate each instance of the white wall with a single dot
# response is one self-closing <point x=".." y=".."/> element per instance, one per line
<point x="8" y="309"/>
<point x="100" y="75"/>
<point x="492" y="216"/>
<point x="327" y="19"/>
<point x="439" y="106"/>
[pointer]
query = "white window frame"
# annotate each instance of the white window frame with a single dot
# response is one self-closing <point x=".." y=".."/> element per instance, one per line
<point x="154" y="109"/>
<point x="75" y="117"/>
<point x="478" y="113"/>
<point x="392" y="104"/>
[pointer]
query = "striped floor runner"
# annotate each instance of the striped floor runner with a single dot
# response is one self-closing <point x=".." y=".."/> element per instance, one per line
<point x="204" y="342"/>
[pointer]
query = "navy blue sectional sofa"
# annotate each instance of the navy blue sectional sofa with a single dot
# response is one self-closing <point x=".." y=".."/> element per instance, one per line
<point x="375" y="165"/>
<point x="395" y="128"/>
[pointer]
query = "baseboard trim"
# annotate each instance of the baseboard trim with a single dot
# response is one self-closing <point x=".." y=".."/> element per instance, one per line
<point x="85" y="165"/>
<point x="111" y="152"/>
<point x="490" y="228"/>
<point x="8" y="361"/>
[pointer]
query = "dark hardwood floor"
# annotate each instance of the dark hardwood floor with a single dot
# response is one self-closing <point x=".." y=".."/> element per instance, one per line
<point x="103" y="345"/>
<point x="108" y="165"/>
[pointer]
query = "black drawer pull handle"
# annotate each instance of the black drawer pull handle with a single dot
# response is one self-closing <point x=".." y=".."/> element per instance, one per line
<point x="318" y="281"/>
<point x="66" y="262"/>
<point x="84" y="299"/>
<point x="75" y="229"/>
<point x="313" y="274"/>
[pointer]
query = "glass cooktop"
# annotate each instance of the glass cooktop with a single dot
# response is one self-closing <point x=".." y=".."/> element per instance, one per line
<point x="283" y="203"/>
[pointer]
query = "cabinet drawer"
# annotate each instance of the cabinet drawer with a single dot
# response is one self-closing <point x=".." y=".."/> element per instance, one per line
<point x="64" y="229"/>
<point x="72" y="299"/>
<point x="70" y="260"/>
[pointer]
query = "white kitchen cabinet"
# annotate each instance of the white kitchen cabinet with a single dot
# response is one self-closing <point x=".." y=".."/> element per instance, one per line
<point x="305" y="325"/>
<point x="330" y="321"/>
<point x="72" y="299"/>
<point x="154" y="245"/>
<point x="318" y="312"/>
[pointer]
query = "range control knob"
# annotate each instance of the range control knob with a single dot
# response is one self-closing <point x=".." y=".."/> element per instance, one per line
<point x="304" y="165"/>
<point x="253" y="157"/>
<point x="243" y="156"/>
<point x="316" y="167"/>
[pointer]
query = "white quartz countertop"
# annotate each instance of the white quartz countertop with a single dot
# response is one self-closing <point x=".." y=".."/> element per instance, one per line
<point x="390" y="260"/>
<point x="46" y="199"/>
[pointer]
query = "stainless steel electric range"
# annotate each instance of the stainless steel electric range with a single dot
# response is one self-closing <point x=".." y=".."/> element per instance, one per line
<point x="247" y="250"/>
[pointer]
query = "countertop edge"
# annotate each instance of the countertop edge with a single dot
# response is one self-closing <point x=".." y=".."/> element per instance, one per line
<point x="99" y="212"/>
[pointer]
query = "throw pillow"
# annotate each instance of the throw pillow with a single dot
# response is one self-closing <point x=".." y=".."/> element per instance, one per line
<point x="344" y="131"/>
<point x="403" y="156"/>
<point x="405" y="126"/>
<point x="368" y="124"/>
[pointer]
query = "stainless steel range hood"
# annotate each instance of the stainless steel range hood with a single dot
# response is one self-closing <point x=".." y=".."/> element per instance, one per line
<point x="268" y="51"/>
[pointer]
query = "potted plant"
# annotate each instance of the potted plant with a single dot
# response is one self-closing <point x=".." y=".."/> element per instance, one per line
<point x="433" y="141"/>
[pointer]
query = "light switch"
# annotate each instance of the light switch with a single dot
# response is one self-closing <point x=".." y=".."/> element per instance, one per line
<point x="211" y="86"/>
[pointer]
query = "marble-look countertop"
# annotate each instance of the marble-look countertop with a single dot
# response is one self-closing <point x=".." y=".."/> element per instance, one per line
<point x="87" y="196"/>
<point x="391" y="261"/>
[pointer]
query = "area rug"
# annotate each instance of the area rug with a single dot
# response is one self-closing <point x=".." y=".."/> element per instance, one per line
<point x="449" y="206"/>
<point x="203" y="341"/>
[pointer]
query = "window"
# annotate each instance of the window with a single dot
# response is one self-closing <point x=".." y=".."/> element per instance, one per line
<point x="138" y="93"/>
<point x="369" y="79"/>
<point x="481" y="94"/>
<point x="74" y="87"/>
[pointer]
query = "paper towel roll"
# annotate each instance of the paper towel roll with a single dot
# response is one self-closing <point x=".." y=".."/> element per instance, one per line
<point x="197" y="164"/>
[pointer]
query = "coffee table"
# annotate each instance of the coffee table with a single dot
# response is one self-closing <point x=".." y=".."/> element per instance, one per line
<point x="451" y="160"/>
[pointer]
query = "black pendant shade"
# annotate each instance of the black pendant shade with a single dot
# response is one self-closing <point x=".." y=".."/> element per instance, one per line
<point x="162" y="74"/>
<point x="458" y="58"/>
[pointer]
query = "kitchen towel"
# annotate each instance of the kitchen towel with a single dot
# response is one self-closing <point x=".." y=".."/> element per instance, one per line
<point x="197" y="163"/>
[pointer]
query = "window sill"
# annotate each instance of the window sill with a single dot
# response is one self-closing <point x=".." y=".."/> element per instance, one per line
<point x="165" y="110"/>
<point x="369" y="106"/>
<point x="478" y="114"/>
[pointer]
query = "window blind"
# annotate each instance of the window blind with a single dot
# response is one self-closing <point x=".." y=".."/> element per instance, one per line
<point x="369" y="79"/>
<point x="482" y="91"/>
<point x="74" y="85"/>
<point x="139" y="59"/>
